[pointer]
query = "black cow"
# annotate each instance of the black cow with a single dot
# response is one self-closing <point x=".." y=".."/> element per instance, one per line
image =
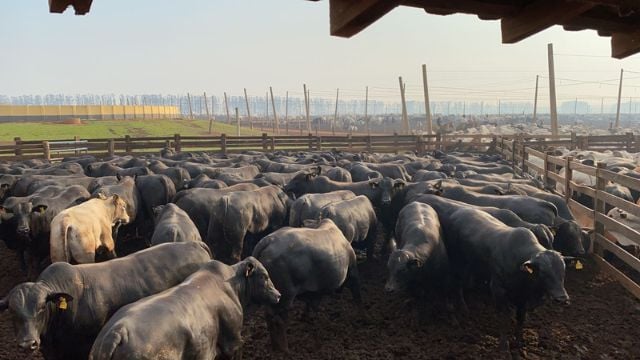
<point x="527" y="208"/>
<point x="356" y="219"/>
<point x="518" y="269"/>
<point x="379" y="191"/>
<point x="238" y="214"/>
<point x="63" y="311"/>
<point x="339" y="174"/>
<point x="197" y="203"/>
<point x="308" y="206"/>
<point x="204" y="181"/>
<point x="108" y="169"/>
<point x="421" y="262"/>
<point x="313" y="262"/>
<point x="172" y="224"/>
<point x="361" y="172"/>
<point x="198" y="319"/>
<point x="155" y="190"/>
<point x="426" y="175"/>
<point x="542" y="232"/>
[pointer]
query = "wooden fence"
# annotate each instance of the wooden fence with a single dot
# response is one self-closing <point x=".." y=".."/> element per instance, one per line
<point x="557" y="172"/>
<point x="51" y="150"/>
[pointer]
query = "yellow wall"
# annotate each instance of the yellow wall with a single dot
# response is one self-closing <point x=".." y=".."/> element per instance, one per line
<point x="89" y="111"/>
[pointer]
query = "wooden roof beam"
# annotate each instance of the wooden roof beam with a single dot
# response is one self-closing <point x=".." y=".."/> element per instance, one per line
<point x="600" y="24"/>
<point x="540" y="15"/>
<point x="81" y="7"/>
<point x="349" y="17"/>
<point x="625" y="44"/>
<point x="480" y="8"/>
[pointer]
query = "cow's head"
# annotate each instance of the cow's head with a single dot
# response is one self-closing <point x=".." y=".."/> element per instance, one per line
<point x="547" y="269"/>
<point x="22" y="213"/>
<point x="120" y="209"/>
<point x="300" y="184"/>
<point x="403" y="267"/>
<point x="569" y="238"/>
<point x="259" y="285"/>
<point x="384" y="189"/>
<point x="4" y="189"/>
<point x="32" y="306"/>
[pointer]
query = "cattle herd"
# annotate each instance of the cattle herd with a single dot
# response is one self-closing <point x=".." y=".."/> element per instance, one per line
<point x="159" y="257"/>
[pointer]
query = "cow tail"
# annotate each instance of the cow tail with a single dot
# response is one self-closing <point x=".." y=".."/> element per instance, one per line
<point x="65" y="241"/>
<point x="106" y="348"/>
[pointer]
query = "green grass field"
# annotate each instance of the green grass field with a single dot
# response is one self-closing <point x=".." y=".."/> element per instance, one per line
<point x="95" y="129"/>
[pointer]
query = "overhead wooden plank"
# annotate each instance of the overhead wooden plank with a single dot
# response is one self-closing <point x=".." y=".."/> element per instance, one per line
<point x="538" y="16"/>
<point x="59" y="6"/>
<point x="480" y="8"/>
<point x="625" y="44"/>
<point x="349" y="17"/>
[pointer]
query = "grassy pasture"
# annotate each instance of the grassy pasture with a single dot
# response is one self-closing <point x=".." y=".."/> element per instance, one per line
<point x="96" y="129"/>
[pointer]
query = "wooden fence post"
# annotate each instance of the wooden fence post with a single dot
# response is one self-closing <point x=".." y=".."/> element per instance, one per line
<point x="349" y="142"/>
<point x="545" y="175"/>
<point x="264" y="142"/>
<point x="223" y="143"/>
<point x="111" y="147"/>
<point x="513" y="155"/>
<point x="419" y="144"/>
<point x="629" y="141"/>
<point x="574" y="141"/>
<point x="568" y="175"/>
<point x="273" y="143"/>
<point x="600" y="206"/>
<point x="636" y="143"/>
<point x="525" y="158"/>
<point x="18" y="147"/>
<point x="318" y="142"/>
<point x="127" y="144"/>
<point x="395" y="141"/>
<point x="438" y="144"/>
<point x="46" y="150"/>
<point x="368" y="143"/>
<point x="177" y="142"/>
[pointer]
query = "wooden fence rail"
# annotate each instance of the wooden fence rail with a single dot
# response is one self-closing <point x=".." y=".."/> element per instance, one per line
<point x="561" y="171"/>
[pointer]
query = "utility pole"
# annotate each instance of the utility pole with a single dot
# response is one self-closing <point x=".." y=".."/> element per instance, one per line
<point x="206" y="106"/>
<point x="619" y="99"/>
<point x="286" y="112"/>
<point x="552" y="91"/>
<point x="237" y="123"/>
<point x="535" y="103"/>
<point x="601" y="106"/>
<point x="426" y="99"/>
<point x="366" y="105"/>
<point x="190" y="108"/>
<point x="335" y="114"/>
<point x="499" y="106"/>
<point x="575" y="107"/>
<point x="306" y="106"/>
<point x="246" y="101"/>
<point x="266" y="104"/>
<point x="226" y="106"/>
<point x="405" y="120"/>
<point x="276" y="125"/>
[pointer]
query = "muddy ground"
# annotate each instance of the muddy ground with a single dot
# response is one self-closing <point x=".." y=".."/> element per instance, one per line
<point x="601" y="323"/>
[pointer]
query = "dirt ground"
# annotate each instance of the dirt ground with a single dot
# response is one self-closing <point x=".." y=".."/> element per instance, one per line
<point x="601" y="323"/>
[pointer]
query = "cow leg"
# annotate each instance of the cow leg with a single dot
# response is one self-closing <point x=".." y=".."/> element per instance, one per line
<point x="504" y="317"/>
<point x="277" y="317"/>
<point x="353" y="283"/>
<point x="371" y="242"/>
<point x="521" y="314"/>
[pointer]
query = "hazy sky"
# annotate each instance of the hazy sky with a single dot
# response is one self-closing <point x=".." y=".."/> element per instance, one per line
<point x="164" y="46"/>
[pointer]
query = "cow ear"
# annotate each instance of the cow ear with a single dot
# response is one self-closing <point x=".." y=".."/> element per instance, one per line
<point x="623" y="215"/>
<point x="4" y="304"/>
<point x="39" y="209"/>
<point x="4" y="186"/>
<point x="118" y="177"/>
<point x="438" y="185"/>
<point x="570" y="261"/>
<point x="61" y="300"/>
<point x="527" y="267"/>
<point x="499" y="191"/>
<point x="249" y="269"/>
<point x="116" y="198"/>
<point x="157" y="210"/>
<point x="399" y="183"/>
<point x="6" y="210"/>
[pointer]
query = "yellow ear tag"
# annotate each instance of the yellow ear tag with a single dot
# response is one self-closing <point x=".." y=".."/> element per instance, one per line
<point x="63" y="304"/>
<point x="579" y="265"/>
<point x="529" y="270"/>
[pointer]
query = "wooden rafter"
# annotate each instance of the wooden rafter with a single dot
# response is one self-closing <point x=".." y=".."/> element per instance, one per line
<point x="349" y="17"/>
<point x="81" y="7"/>
<point x="540" y="15"/>
<point x="623" y="44"/>
<point x="494" y="10"/>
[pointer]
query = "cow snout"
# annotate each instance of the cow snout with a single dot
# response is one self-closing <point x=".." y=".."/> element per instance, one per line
<point x="23" y="230"/>
<point x="276" y="296"/>
<point x="389" y="288"/>
<point x="31" y="345"/>
<point x="562" y="300"/>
